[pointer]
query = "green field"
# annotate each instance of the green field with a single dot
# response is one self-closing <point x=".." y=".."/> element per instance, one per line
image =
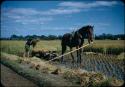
<point x="17" y="47"/>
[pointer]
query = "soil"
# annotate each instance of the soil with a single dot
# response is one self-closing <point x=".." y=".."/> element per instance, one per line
<point x="9" y="78"/>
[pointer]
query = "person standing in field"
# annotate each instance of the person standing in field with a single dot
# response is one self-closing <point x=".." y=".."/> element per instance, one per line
<point x="29" y="45"/>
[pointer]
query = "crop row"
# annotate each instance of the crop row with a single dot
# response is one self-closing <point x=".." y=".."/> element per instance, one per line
<point x="108" y="66"/>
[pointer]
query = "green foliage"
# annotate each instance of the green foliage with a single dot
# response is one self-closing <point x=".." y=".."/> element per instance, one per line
<point x="54" y="37"/>
<point x="116" y="50"/>
<point x="110" y="36"/>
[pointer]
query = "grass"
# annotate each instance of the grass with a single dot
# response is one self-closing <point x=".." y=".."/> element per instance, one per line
<point x="109" y="46"/>
<point x="40" y="78"/>
<point x="12" y="47"/>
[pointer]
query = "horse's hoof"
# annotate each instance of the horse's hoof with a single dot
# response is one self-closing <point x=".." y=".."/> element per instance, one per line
<point x="73" y="62"/>
<point x="81" y="65"/>
<point x="61" y="61"/>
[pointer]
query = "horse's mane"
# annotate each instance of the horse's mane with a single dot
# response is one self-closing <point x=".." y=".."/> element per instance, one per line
<point x="83" y="30"/>
<point x="85" y="27"/>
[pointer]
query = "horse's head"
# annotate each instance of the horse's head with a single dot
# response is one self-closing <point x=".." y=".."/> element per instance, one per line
<point x="89" y="32"/>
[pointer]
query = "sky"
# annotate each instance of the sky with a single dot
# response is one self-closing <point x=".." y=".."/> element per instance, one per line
<point x="60" y="17"/>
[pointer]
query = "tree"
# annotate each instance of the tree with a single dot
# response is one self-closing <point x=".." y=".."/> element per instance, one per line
<point x="14" y="37"/>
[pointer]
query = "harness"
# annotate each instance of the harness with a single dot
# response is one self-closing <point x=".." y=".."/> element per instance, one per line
<point x="76" y="33"/>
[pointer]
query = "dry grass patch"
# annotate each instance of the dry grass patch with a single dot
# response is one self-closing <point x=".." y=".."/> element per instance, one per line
<point x="76" y="76"/>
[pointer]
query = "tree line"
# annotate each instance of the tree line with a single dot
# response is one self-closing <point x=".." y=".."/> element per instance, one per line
<point x="54" y="37"/>
<point x="42" y="37"/>
<point x="110" y="36"/>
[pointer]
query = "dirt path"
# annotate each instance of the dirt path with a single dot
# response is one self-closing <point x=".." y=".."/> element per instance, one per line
<point x="9" y="78"/>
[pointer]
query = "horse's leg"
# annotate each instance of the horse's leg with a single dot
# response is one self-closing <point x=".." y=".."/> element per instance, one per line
<point x="80" y="51"/>
<point x="28" y="53"/>
<point x="80" y="54"/>
<point x="24" y="54"/>
<point x="77" y="54"/>
<point x="63" y="51"/>
<point x="82" y="42"/>
<point x="72" y="56"/>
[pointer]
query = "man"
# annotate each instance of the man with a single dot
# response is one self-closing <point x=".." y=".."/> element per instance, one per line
<point x="27" y="47"/>
<point x="30" y="43"/>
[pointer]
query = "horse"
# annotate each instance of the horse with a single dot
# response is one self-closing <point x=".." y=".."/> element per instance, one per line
<point x="30" y="42"/>
<point x="76" y="40"/>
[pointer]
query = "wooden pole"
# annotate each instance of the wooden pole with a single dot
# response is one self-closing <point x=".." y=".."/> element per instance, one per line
<point x="58" y="57"/>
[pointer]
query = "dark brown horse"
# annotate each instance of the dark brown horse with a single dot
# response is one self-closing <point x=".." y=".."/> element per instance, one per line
<point x="76" y="40"/>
